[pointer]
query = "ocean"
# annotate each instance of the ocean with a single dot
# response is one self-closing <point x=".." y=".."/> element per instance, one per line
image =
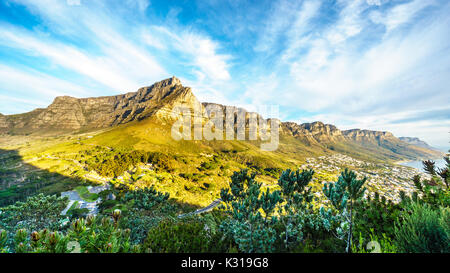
<point x="418" y="164"/>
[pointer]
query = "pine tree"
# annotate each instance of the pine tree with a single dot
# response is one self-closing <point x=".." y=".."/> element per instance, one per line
<point x="244" y="202"/>
<point x="343" y="194"/>
<point x="297" y="206"/>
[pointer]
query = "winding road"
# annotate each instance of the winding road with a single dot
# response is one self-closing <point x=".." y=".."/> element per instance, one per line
<point x="203" y="210"/>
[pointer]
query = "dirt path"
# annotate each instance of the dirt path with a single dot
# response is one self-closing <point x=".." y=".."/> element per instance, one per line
<point x="211" y="206"/>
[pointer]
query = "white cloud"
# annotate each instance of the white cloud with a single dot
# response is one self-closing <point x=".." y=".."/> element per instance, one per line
<point x="200" y="51"/>
<point x="32" y="89"/>
<point x="153" y="41"/>
<point x="296" y="33"/>
<point x="205" y="57"/>
<point x="383" y="72"/>
<point x="38" y="83"/>
<point x="280" y="18"/>
<point x="349" y="24"/>
<point x="399" y="14"/>
<point x="119" y="58"/>
<point x="341" y="73"/>
<point x="74" y="2"/>
<point x="111" y="70"/>
<point x="142" y="5"/>
<point x="374" y="2"/>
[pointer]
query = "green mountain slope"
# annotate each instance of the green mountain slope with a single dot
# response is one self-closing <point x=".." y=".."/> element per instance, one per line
<point x="127" y="139"/>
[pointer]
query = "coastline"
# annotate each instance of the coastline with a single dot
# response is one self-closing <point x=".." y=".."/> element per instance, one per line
<point x="417" y="164"/>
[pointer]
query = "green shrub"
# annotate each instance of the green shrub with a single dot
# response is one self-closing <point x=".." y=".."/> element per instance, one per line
<point x="90" y="235"/>
<point x="101" y="235"/>
<point x="36" y="213"/>
<point x="115" y="164"/>
<point x="372" y="243"/>
<point x="145" y="198"/>
<point x="423" y="230"/>
<point x="172" y="236"/>
<point x="85" y="194"/>
<point x="377" y="214"/>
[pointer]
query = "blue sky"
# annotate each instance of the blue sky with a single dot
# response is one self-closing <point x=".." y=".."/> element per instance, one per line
<point x="371" y="64"/>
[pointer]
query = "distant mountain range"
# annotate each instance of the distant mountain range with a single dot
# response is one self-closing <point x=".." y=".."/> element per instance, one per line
<point x="417" y="142"/>
<point x="72" y="115"/>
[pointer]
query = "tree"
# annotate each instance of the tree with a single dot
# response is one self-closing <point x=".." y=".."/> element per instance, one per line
<point x="41" y="242"/>
<point x="343" y="194"/>
<point x="245" y="204"/>
<point x="434" y="191"/>
<point x="265" y="221"/>
<point x="297" y="208"/>
<point x="101" y="235"/>
<point x="440" y="175"/>
<point x="183" y="236"/>
<point x="146" y="208"/>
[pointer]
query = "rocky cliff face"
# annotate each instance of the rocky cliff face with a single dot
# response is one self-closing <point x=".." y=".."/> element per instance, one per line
<point x="329" y="133"/>
<point x="68" y="114"/>
<point x="356" y="141"/>
<point x="367" y="135"/>
<point x="309" y="133"/>
<point x="416" y="142"/>
<point x="72" y="114"/>
<point x="3" y="123"/>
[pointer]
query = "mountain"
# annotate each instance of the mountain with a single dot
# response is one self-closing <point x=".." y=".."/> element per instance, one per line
<point x="73" y="115"/>
<point x="417" y="142"/>
<point x="360" y="143"/>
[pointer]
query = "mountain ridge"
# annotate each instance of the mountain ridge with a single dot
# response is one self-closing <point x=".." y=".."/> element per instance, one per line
<point x="69" y="114"/>
<point x="417" y="142"/>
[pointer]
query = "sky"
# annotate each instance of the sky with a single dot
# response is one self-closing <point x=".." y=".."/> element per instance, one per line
<point x="370" y="64"/>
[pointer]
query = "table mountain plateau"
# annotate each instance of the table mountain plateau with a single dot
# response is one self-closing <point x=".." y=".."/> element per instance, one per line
<point x="72" y="115"/>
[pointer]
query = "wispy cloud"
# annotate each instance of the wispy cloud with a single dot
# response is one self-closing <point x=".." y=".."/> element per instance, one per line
<point x="100" y="43"/>
<point x="376" y="64"/>
<point x="349" y="67"/>
<point x="31" y="89"/>
<point x="400" y="14"/>
<point x="200" y="51"/>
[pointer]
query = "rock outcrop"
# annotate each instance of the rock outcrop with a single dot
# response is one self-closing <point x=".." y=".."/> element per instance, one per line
<point x="3" y="122"/>
<point x="417" y="142"/>
<point x="68" y="114"/>
<point x="72" y="114"/>
<point x="367" y="135"/>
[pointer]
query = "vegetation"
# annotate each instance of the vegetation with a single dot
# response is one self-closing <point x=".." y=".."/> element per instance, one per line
<point x="423" y="230"/>
<point x="377" y="215"/>
<point x="298" y="213"/>
<point x="85" y="194"/>
<point x="188" y="236"/>
<point x="343" y="195"/>
<point x="37" y="213"/>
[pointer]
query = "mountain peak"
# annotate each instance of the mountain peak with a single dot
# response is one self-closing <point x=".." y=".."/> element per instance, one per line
<point x="63" y="99"/>
<point x="68" y="113"/>
<point x="168" y="82"/>
<point x="417" y="142"/>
